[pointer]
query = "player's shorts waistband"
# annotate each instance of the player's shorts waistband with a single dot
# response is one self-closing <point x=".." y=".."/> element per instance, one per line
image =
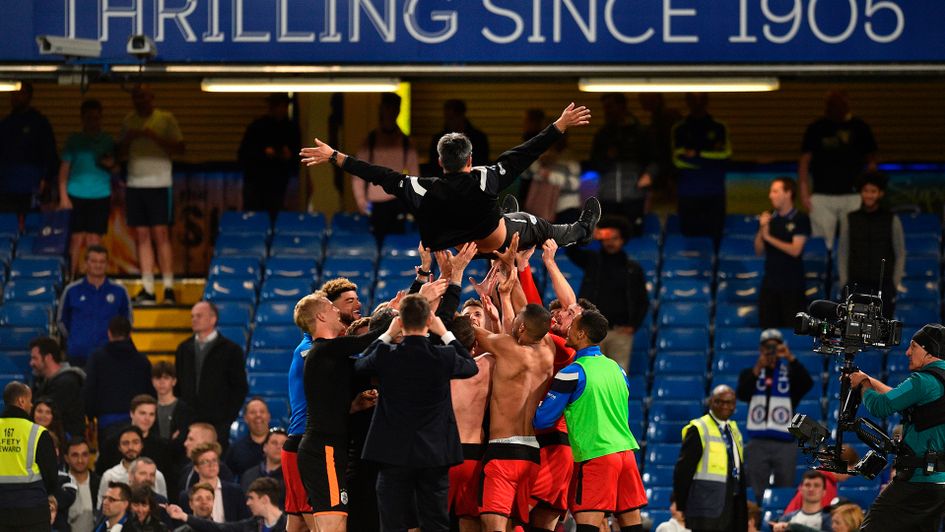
<point x="473" y="451"/>
<point x="514" y="448"/>
<point x="553" y="438"/>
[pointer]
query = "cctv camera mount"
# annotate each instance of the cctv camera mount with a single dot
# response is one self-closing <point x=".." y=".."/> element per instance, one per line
<point x="68" y="47"/>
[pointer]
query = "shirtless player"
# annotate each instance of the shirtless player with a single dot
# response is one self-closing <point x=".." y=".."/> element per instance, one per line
<point x="523" y="365"/>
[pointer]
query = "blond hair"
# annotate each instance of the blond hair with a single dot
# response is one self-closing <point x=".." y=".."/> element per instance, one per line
<point x="850" y="514"/>
<point x="305" y="309"/>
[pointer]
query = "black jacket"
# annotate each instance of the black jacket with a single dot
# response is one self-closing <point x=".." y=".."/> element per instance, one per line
<point x="65" y="389"/>
<point x="458" y="207"/>
<point x="613" y="282"/>
<point x="114" y="375"/>
<point x="413" y="422"/>
<point x="223" y="386"/>
<point x="153" y="447"/>
<point x="234" y="501"/>
<point x="252" y="524"/>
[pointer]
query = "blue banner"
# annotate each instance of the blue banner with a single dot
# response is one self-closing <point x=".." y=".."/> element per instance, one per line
<point x="444" y="32"/>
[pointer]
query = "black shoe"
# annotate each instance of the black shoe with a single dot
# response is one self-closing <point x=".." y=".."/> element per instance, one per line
<point x="169" y="298"/>
<point x="145" y="298"/>
<point x="589" y="218"/>
<point x="510" y="204"/>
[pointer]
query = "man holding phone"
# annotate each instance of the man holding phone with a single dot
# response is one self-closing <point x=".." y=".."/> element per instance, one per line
<point x="772" y="388"/>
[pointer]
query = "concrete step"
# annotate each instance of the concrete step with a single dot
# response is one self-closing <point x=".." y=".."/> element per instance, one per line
<point x="161" y="317"/>
<point x="164" y="341"/>
<point x="187" y="291"/>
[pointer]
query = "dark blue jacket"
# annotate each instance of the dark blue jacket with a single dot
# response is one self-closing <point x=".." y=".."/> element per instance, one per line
<point x="234" y="502"/>
<point x="114" y="375"/>
<point x="84" y="313"/>
<point x="27" y="152"/>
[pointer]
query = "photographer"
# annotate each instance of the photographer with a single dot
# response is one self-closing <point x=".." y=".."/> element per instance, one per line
<point x="915" y="499"/>
<point x="772" y="389"/>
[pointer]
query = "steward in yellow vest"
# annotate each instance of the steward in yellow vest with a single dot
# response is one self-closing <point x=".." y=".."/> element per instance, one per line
<point x="27" y="464"/>
<point x="708" y="481"/>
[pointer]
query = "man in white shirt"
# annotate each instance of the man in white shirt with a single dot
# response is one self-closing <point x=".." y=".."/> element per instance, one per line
<point x="811" y="514"/>
<point x="82" y="512"/>
<point x="130" y="443"/>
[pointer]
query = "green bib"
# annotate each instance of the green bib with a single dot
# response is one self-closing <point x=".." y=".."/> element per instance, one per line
<point x="597" y="420"/>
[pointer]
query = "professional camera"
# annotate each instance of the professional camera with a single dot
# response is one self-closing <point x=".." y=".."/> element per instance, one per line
<point x="856" y="324"/>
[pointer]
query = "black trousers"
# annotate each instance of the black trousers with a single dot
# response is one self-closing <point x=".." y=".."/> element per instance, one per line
<point x="362" y="499"/>
<point x="405" y="492"/>
<point x="387" y="217"/>
<point x="25" y="519"/>
<point x="265" y="194"/>
<point x="702" y="216"/>
<point x="902" y="505"/>
<point x="779" y="302"/>
<point x="534" y="231"/>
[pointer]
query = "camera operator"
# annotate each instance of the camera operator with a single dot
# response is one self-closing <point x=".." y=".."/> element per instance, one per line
<point x="915" y="499"/>
<point x="772" y="389"/>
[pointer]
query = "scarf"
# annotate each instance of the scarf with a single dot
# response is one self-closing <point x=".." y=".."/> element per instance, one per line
<point x="769" y="414"/>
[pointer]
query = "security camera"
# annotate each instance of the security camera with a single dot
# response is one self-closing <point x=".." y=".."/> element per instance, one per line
<point x="141" y="46"/>
<point x="52" y="45"/>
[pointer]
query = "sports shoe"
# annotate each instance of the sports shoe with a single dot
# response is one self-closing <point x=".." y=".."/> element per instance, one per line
<point x="145" y="298"/>
<point x="169" y="298"/>
<point x="589" y="218"/>
<point x="510" y="204"/>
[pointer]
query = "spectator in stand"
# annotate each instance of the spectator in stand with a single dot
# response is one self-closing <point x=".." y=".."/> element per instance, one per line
<point x="386" y="146"/>
<point x="143" y="412"/>
<point x="811" y="515"/>
<point x="247" y="451"/>
<point x="344" y="295"/>
<point x="271" y="464"/>
<point x="81" y="515"/>
<point x="677" y="520"/>
<point x="701" y="150"/>
<point x="754" y="517"/>
<point x="145" y="513"/>
<point x="772" y="389"/>
<point x="45" y="414"/>
<point x="58" y="380"/>
<point x="85" y="181"/>
<point x="836" y="150"/>
<point x="455" y="121"/>
<point x="200" y="498"/>
<point x="211" y="372"/>
<point x="88" y="305"/>
<point x="130" y="443"/>
<point x="662" y="120"/>
<point x="848" y="455"/>
<point x="143" y="474"/>
<point x="115" y="374"/>
<point x="28" y="159"/>
<point x="149" y="138"/>
<point x="269" y="155"/>
<point x="617" y="286"/>
<point x="264" y="500"/>
<point x="781" y="236"/>
<point x="846" y="518"/>
<point x="115" y="503"/>
<point x="199" y="434"/>
<point x="228" y="497"/>
<point x="173" y="415"/>
<point x="867" y="237"/>
<point x="622" y="154"/>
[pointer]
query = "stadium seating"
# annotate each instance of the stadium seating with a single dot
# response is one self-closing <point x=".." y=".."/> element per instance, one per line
<point x="275" y="313"/>
<point x="285" y="288"/>
<point x="736" y="315"/>
<point x="288" y="245"/>
<point x="230" y="289"/>
<point x="30" y="290"/>
<point x="303" y="268"/>
<point x="245" y="223"/>
<point x="680" y="363"/>
<point x="300" y="223"/>
<point x="344" y="223"/>
<point x="18" y="314"/>
<point x="240" y="245"/>
<point x="234" y="312"/>
<point x="49" y="269"/>
<point x="240" y="267"/>
<point x="686" y="290"/>
<point x="676" y="314"/>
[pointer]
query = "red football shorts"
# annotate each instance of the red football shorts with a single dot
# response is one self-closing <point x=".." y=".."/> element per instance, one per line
<point x="609" y="483"/>
<point x="509" y="470"/>
<point x="551" y="487"/>
<point x="296" y="502"/>
<point x="464" y="483"/>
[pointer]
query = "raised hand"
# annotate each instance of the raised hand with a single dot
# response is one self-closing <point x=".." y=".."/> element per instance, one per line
<point x="317" y="154"/>
<point x="364" y="400"/>
<point x="572" y="116"/>
<point x="507" y="284"/>
<point x="444" y="261"/>
<point x="395" y="303"/>
<point x="548" y="250"/>
<point x="462" y="259"/>
<point x="488" y="282"/>
<point x="436" y="325"/>
<point x="523" y="257"/>
<point x="490" y="310"/>
<point x="507" y="257"/>
<point x="434" y="291"/>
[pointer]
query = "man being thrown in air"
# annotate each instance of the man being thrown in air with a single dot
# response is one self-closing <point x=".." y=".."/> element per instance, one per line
<point x="461" y="206"/>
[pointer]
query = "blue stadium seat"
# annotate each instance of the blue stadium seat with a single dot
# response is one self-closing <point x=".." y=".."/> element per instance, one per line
<point x="642" y="340"/>
<point x="680" y="364"/>
<point x="752" y="269"/>
<point x="691" y="247"/>
<point x="278" y="409"/>
<point x="922" y="246"/>
<point x="864" y="496"/>
<point x="662" y="454"/>
<point x="687" y="268"/>
<point x="777" y="498"/>
<point x="397" y="267"/>
<point x="360" y="245"/>
<point x="300" y="223"/>
<point x="642" y="248"/>
<point x="269" y="360"/>
<point x="923" y="268"/>
<point x="245" y="223"/>
<point x="667" y="432"/>
<point x="676" y="314"/>
<point x="663" y="410"/>
<point x="240" y="245"/>
<point x="869" y="362"/>
<point x="275" y="337"/>
<point x="292" y="267"/>
<point x="234" y="313"/>
<point x="241" y="267"/>
<point x="745" y="225"/>
<point x="689" y="290"/>
<point x="912" y="290"/>
<point x="730" y="380"/>
<point x="739" y="291"/>
<point x="347" y="267"/>
<point x="386" y="290"/>
<point x="350" y="223"/>
<point x="682" y="339"/>
<point x="285" y="288"/>
<point x="230" y="289"/>
<point x="20" y="358"/>
<point x="658" y="475"/>
<point x="736" y="339"/>
<point x="733" y="362"/>
<point x="815" y="269"/>
<point x="29" y="247"/>
<point x="401" y="245"/>
<point x="658" y="497"/>
<point x="9" y="367"/>
<point x="15" y="314"/>
<point x="672" y="225"/>
<point x="921" y="224"/>
<point x="30" y="290"/>
<point x="737" y="249"/>
<point x="286" y="245"/>
<point x="37" y="268"/>
<point x="9" y="225"/>
<point x="814" y="289"/>
<point x="652" y="227"/>
<point x="12" y="338"/>
<point x="237" y="334"/>
<point x="275" y="313"/>
<point x="678" y="388"/>
<point x="916" y="314"/>
<point x="815" y="248"/>
<point x="267" y="384"/>
<point x="637" y="386"/>
<point x="811" y="408"/>
<point x="736" y="315"/>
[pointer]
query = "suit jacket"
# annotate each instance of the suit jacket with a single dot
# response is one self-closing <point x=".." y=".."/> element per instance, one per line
<point x="234" y="502"/>
<point x="413" y="423"/>
<point x="223" y="386"/>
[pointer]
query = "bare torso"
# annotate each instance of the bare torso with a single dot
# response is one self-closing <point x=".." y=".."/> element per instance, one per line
<point x="494" y="241"/>
<point x="519" y="383"/>
<point x="470" y="397"/>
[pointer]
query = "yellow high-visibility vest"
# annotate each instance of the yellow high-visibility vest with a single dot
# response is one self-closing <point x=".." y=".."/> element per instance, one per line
<point x="18" y="441"/>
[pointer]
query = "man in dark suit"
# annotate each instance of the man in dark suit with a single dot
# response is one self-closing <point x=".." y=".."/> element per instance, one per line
<point x="413" y="433"/>
<point x="211" y="372"/>
<point x="229" y="499"/>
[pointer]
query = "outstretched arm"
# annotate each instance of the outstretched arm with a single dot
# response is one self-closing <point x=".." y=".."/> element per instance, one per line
<point x="322" y="153"/>
<point x="563" y="290"/>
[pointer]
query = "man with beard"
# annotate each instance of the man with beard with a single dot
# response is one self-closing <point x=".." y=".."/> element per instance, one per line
<point x="343" y="294"/>
<point x="130" y="444"/>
